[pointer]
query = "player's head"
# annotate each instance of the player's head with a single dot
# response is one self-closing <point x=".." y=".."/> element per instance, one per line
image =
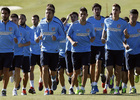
<point x="126" y="19"/>
<point x="5" y="13"/>
<point x="22" y="19"/>
<point x="116" y="10"/>
<point x="14" y="18"/>
<point x="74" y="16"/>
<point x="63" y="19"/>
<point x="49" y="14"/>
<point x="96" y="8"/>
<point x="133" y="16"/>
<point x="83" y="13"/>
<point x="35" y="20"/>
<point x="51" y="6"/>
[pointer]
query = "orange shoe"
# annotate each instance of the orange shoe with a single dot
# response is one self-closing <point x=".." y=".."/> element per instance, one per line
<point x="105" y="91"/>
<point x="24" y="92"/>
<point x="103" y="85"/>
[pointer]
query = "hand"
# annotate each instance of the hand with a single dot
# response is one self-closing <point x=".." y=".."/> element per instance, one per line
<point x="103" y="41"/>
<point x="16" y="40"/>
<point x="126" y="33"/>
<point x="92" y="39"/>
<point x="74" y="43"/>
<point x="20" y="45"/>
<point x="53" y="38"/>
<point x="38" y="39"/>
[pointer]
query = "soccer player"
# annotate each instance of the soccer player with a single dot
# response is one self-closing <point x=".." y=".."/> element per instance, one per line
<point x="35" y="57"/>
<point x="18" y="52"/>
<point x="9" y="34"/>
<point x="80" y="34"/>
<point x="113" y="31"/>
<point x="97" y="47"/>
<point x="132" y="34"/>
<point x="26" y="58"/>
<point x="50" y="33"/>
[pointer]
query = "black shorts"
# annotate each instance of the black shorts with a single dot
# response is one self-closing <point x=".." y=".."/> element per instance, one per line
<point x="61" y="63"/>
<point x="80" y="59"/>
<point x="114" y="57"/>
<point x="35" y="59"/>
<point x="26" y="64"/>
<point x="50" y="59"/>
<point x="124" y="65"/>
<point x="17" y="62"/>
<point x="68" y="59"/>
<point x="97" y="53"/>
<point x="6" y="60"/>
<point x="132" y="61"/>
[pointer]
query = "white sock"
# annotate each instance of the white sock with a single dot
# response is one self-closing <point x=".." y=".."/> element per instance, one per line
<point x="117" y="87"/>
<point x="63" y="87"/>
<point x="124" y="85"/>
<point x="23" y="88"/>
<point x="32" y="83"/>
<point x="77" y="88"/>
<point x="132" y="87"/>
<point x="106" y="85"/>
<point x="4" y="89"/>
<point x="94" y="83"/>
<point x="71" y="87"/>
<point x="82" y="88"/>
<point x="40" y="80"/>
<point x="15" y="88"/>
<point x="46" y="89"/>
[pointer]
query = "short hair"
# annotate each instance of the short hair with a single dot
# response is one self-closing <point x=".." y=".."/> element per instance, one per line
<point x="23" y="15"/>
<point x="83" y="9"/>
<point x="63" y="19"/>
<point x="14" y="16"/>
<point x="74" y="13"/>
<point x="116" y="5"/>
<point x="6" y="9"/>
<point x="36" y="16"/>
<point x="134" y="11"/>
<point x="51" y="9"/>
<point x="126" y="19"/>
<point x="51" y="6"/>
<point x="96" y="5"/>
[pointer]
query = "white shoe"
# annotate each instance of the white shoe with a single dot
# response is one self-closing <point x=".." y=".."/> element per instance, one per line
<point x="15" y="92"/>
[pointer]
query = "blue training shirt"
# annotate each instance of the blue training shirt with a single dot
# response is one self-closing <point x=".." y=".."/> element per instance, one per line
<point x="98" y="27"/>
<point x="24" y="39"/>
<point x="7" y="33"/>
<point x="134" y="39"/>
<point x="115" y="35"/>
<point x="47" y="30"/>
<point x="81" y="34"/>
<point x="35" y="48"/>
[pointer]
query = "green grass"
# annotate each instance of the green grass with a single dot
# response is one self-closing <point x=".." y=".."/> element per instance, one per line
<point x="63" y="8"/>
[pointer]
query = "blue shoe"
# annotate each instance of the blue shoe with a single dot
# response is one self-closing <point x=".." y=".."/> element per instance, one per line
<point x="46" y="92"/>
<point x="95" y="88"/>
<point x="92" y="91"/>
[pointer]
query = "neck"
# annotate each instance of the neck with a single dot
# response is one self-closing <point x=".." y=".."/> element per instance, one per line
<point x="133" y="23"/>
<point x="35" y="25"/>
<point x="82" y="22"/>
<point x="48" y="20"/>
<point x="23" y="25"/>
<point x="97" y="17"/>
<point x="115" y="18"/>
<point x="5" y="21"/>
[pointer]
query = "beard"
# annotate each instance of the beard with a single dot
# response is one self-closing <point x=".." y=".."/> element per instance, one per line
<point x="5" y="19"/>
<point x="22" y="24"/>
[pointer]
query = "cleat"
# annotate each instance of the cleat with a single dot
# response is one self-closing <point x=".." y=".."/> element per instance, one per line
<point x="116" y="92"/>
<point x="103" y="85"/>
<point x="95" y="88"/>
<point x="77" y="91"/>
<point x="63" y="91"/>
<point x="54" y="84"/>
<point x="46" y="92"/>
<point x="111" y="82"/>
<point x="105" y="91"/>
<point x="51" y="92"/>
<point x="40" y="88"/>
<point x="112" y="91"/>
<point x="3" y="93"/>
<point x="136" y="78"/>
<point x="81" y="92"/>
<point x="71" y="91"/>
<point x="15" y="92"/>
<point x="32" y="90"/>
<point x="124" y="90"/>
<point x="24" y="92"/>
<point x="120" y="85"/>
<point x="133" y="91"/>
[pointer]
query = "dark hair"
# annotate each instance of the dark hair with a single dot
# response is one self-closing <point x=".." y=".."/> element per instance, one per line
<point x="6" y="9"/>
<point x="36" y="16"/>
<point x="74" y="13"/>
<point x="63" y="19"/>
<point x="51" y="6"/>
<point x="23" y="15"/>
<point x="51" y="9"/>
<point x="116" y="5"/>
<point x="96" y="5"/>
<point x="83" y="9"/>
<point x="14" y="16"/>
<point x="126" y="19"/>
<point x="134" y="11"/>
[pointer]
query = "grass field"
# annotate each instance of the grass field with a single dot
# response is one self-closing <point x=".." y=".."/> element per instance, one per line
<point x="63" y="8"/>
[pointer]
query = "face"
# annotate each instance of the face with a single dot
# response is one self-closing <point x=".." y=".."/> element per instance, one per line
<point x="96" y="11"/>
<point x="15" y="20"/>
<point x="5" y="15"/>
<point x="133" y="17"/>
<point x="74" y="18"/>
<point x="49" y="15"/>
<point x="35" y="21"/>
<point x="22" y="20"/>
<point x="83" y="15"/>
<point x="115" y="11"/>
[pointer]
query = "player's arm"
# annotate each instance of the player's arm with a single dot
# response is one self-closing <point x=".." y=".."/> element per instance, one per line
<point x="38" y="36"/>
<point x="92" y="35"/>
<point x="126" y="46"/>
<point x="126" y="34"/>
<point x="17" y="38"/>
<point x="67" y="19"/>
<point x="104" y="36"/>
<point x="25" y="44"/>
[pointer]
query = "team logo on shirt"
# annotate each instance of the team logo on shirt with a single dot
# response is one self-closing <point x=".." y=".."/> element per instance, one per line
<point x="53" y="28"/>
<point x="138" y="30"/>
<point x="118" y="26"/>
<point x="10" y="28"/>
<point x="102" y="24"/>
<point x="87" y="30"/>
